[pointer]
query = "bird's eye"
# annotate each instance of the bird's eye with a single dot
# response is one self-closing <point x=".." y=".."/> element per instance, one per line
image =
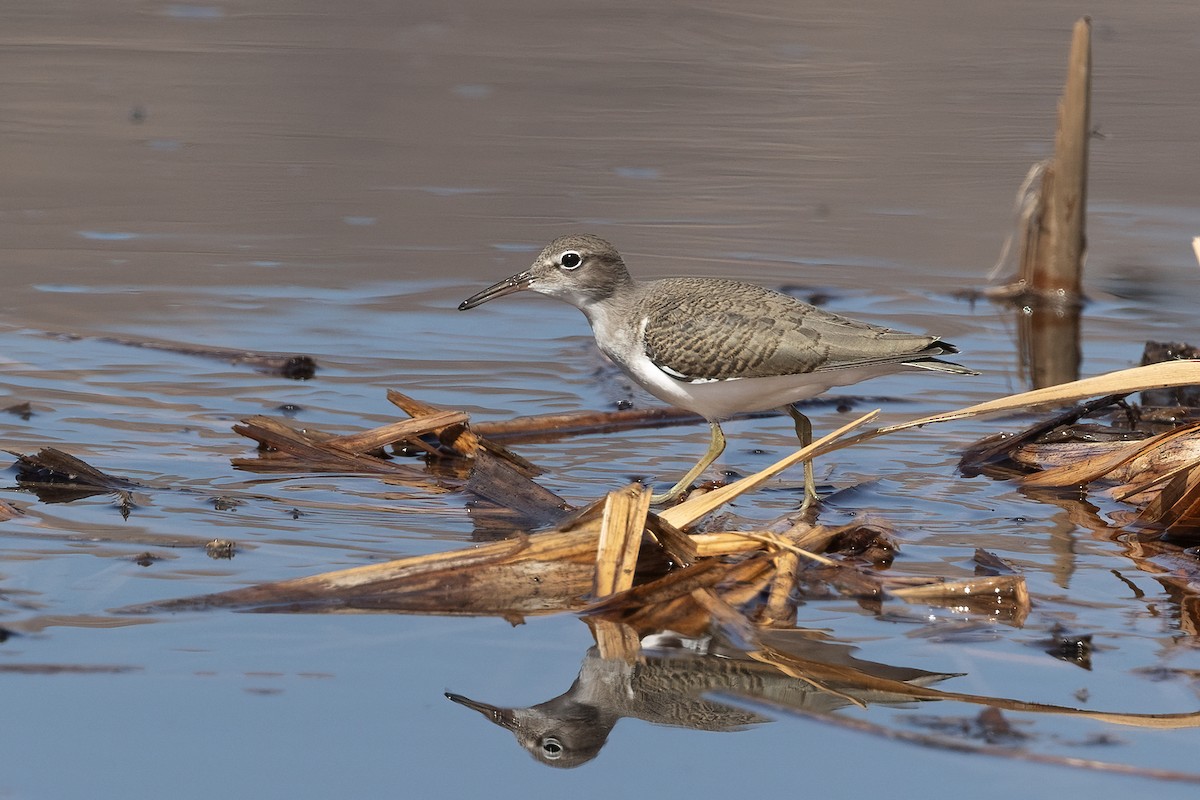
<point x="570" y="260"/>
<point x="552" y="748"/>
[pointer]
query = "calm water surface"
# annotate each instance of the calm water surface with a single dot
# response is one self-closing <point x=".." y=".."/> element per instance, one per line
<point x="295" y="178"/>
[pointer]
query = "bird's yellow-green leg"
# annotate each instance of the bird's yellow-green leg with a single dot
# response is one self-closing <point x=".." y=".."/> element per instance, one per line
<point x="804" y="432"/>
<point x="716" y="446"/>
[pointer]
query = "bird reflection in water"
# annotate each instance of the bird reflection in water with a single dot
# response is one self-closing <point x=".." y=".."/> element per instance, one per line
<point x="676" y="681"/>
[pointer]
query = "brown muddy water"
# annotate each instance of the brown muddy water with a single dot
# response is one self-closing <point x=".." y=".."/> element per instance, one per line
<point x="332" y="179"/>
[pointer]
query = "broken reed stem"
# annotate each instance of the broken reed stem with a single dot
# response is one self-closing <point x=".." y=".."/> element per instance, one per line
<point x="1164" y="375"/>
<point x="1082" y="472"/>
<point x="776" y="541"/>
<point x="1052" y="261"/>
<point x="621" y="530"/>
<point x="780" y="609"/>
<point x="459" y="437"/>
<point x="615" y="640"/>
<point x="376" y="438"/>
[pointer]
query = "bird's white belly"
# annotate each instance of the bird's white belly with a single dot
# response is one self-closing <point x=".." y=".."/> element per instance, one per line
<point x="725" y="398"/>
<point x="717" y="399"/>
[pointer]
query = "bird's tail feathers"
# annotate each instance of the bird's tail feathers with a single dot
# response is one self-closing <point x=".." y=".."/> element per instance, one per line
<point x="937" y="365"/>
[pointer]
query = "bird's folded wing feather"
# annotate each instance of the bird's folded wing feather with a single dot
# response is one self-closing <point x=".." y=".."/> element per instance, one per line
<point x="716" y="330"/>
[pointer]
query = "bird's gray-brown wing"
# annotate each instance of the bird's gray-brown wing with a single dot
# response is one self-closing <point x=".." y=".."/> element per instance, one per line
<point x="711" y="329"/>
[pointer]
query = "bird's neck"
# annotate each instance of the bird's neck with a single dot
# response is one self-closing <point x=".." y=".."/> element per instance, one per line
<point x="612" y="325"/>
<point x="611" y="302"/>
<point x="616" y="291"/>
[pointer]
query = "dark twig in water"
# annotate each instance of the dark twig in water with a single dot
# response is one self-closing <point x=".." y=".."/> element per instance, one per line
<point x="293" y="366"/>
<point x="58" y="477"/>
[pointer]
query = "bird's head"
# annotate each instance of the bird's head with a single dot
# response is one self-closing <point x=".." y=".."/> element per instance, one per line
<point x="580" y="269"/>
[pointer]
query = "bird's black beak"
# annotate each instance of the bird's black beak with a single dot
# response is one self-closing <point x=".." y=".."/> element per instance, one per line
<point x="503" y="717"/>
<point x="516" y="283"/>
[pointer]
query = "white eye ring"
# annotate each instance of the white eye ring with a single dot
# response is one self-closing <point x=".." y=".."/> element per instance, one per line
<point x="570" y="259"/>
<point x="552" y="748"/>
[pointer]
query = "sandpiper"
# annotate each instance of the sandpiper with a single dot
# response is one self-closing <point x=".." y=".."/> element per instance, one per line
<point x="717" y="347"/>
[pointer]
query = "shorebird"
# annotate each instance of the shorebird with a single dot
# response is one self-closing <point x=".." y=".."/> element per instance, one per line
<point x="717" y="347"/>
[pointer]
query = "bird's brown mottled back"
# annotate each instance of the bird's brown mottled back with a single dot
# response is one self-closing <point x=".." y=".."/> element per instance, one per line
<point x="713" y="329"/>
